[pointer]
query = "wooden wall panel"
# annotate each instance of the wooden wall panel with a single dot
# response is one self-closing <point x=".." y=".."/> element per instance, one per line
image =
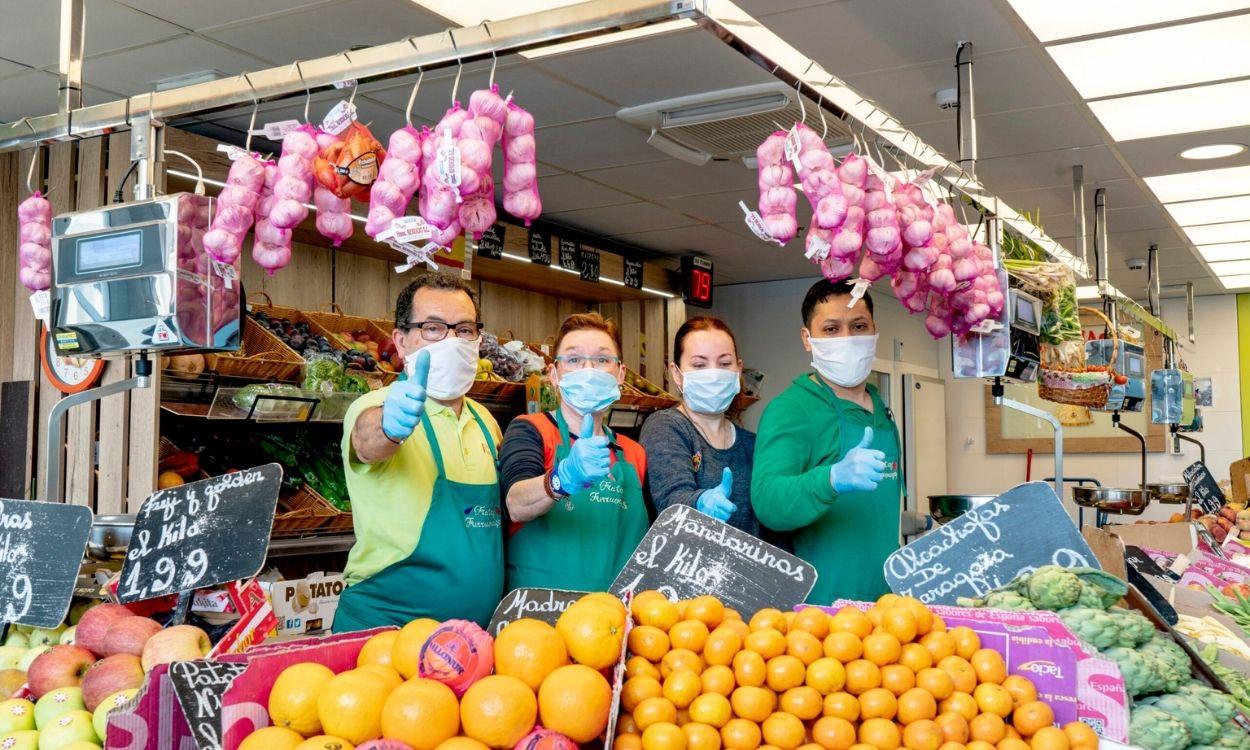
<point x="362" y="285"/>
<point x="114" y="411"/>
<point x="25" y="355"/>
<point x="674" y="316"/>
<point x="9" y="283"/>
<point x="529" y="316"/>
<point x="306" y="282"/>
<point x="654" y="338"/>
<point x="145" y="421"/>
<point x="631" y="333"/>
<point x="62" y="163"/>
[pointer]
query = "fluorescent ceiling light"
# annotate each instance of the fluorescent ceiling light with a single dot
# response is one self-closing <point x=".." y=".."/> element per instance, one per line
<point x="1231" y="268"/>
<point x="1225" y="251"/>
<point x="620" y="36"/>
<point x="1211" y="211"/>
<point x="1087" y="292"/>
<point x="1160" y="58"/>
<point x="1212" y="151"/>
<point x="1215" y="234"/>
<point x="1209" y="183"/>
<point x="1235" y="282"/>
<point x="1191" y="110"/>
<point x="1062" y="19"/>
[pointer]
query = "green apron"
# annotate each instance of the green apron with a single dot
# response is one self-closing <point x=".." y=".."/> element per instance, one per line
<point x="582" y="543"/>
<point x="456" y="570"/>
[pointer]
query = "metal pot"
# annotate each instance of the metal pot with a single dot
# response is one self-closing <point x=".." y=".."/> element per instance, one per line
<point x="1111" y="500"/>
<point x="946" y="508"/>
<point x="110" y="536"/>
<point x="1169" y="493"/>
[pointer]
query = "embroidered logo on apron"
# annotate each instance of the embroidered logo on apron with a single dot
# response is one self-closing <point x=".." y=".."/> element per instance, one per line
<point x="481" y="517"/>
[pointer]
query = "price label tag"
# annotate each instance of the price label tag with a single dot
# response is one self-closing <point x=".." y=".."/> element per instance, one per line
<point x="633" y="273"/>
<point x="337" y="119"/>
<point x="276" y="131"/>
<point x="539" y="248"/>
<point x="227" y="272"/>
<point x="408" y="229"/>
<point x="447" y="161"/>
<point x="199" y="686"/>
<point x="817" y="247"/>
<point x="349" y="83"/>
<point x="588" y="264"/>
<point x="793" y="146"/>
<point x="755" y="223"/>
<point x="568" y="255"/>
<point x="41" y="304"/>
<point x="233" y="153"/>
<point x="42" y="546"/>
<point x="491" y="243"/>
<point x="539" y="604"/>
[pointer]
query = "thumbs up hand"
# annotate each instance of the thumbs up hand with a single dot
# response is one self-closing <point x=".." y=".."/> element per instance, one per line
<point x="715" y="502"/>
<point x="405" y="402"/>
<point x="588" y="461"/>
<point x="861" y="469"/>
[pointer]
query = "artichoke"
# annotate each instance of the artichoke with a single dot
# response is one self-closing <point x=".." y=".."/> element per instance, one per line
<point x="1139" y="672"/>
<point x="1220" y="705"/>
<point x="1091" y="625"/>
<point x="1099" y="588"/>
<point x="1135" y="629"/>
<point x="1173" y="655"/>
<point x="1158" y="673"/>
<point x="1231" y="736"/>
<point x="1152" y="728"/>
<point x="1010" y="601"/>
<point x="1203" y="727"/>
<point x="1053" y="587"/>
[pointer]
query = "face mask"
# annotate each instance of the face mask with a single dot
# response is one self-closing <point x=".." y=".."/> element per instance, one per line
<point x="844" y="360"/>
<point x="710" y="390"/>
<point x="589" y="391"/>
<point x="453" y="365"/>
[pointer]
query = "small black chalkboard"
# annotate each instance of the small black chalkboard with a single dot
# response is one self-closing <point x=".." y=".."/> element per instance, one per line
<point x="537" y="604"/>
<point x="491" y="243"/>
<point x="1203" y="488"/>
<point x="201" y="534"/>
<point x="540" y="248"/>
<point x="41" y="549"/>
<point x="199" y="686"/>
<point x="588" y="263"/>
<point x="1136" y="558"/>
<point x="633" y="273"/>
<point x="1024" y="528"/>
<point x="569" y="251"/>
<point x="686" y="553"/>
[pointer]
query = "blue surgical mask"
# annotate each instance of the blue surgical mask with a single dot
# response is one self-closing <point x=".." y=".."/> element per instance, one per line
<point x="710" y="390"/>
<point x="589" y="391"/>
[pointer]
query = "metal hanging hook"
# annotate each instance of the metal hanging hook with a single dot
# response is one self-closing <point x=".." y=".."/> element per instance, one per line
<point x="802" y="106"/>
<point x="351" y="100"/>
<point x="413" y="96"/>
<point x="251" y="125"/>
<point x="494" y="57"/>
<point x="30" y="172"/>
<point x="455" y="86"/>
<point x="307" y="91"/>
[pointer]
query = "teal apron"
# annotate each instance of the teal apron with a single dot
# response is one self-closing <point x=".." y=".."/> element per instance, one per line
<point x="456" y="570"/>
<point x="585" y="539"/>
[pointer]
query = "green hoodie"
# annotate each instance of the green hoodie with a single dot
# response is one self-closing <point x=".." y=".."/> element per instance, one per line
<point x="847" y="536"/>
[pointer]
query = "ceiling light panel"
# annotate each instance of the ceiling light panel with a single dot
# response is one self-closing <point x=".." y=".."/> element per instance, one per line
<point x="1208" y="183"/>
<point x="1235" y="282"/>
<point x="1225" y="252"/>
<point x="1213" y="151"/>
<point x="1157" y="59"/>
<point x="1191" y="110"/>
<point x="1063" y="19"/>
<point x="1213" y="211"/>
<point x="1215" y="234"/>
<point x="1231" y="268"/>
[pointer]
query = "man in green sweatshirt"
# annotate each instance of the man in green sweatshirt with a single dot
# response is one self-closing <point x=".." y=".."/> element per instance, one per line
<point x="827" y="454"/>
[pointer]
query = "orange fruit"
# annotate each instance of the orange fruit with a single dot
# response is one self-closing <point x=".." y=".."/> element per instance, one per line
<point x="700" y="737"/>
<point x="649" y="642"/>
<point x="628" y="741"/>
<point x="785" y="672"/>
<point x="663" y="736"/>
<point x="900" y="623"/>
<point x="826" y="675"/>
<point x="740" y="734"/>
<point x="271" y="738"/>
<point x="691" y="634"/>
<point x="810" y="746"/>
<point x="377" y="650"/>
<point x="851" y="620"/>
<point x="753" y="703"/>
<point x="989" y="666"/>
<point x="1049" y="738"/>
<point x="732" y="614"/>
<point x="803" y="701"/>
<point x="529" y="650"/>
<point x="350" y="705"/>
<point x="915" y="657"/>
<point x="325" y="742"/>
<point x="498" y="711"/>
<point x="961" y="703"/>
<point x="644" y="598"/>
<point x="722" y="645"/>
<point x="788" y="617"/>
<point x="967" y="642"/>
<point x="682" y="687"/>
<point x="987" y="728"/>
<point x="768" y="618"/>
<point x="638" y="689"/>
<point x="842" y="706"/>
<point x="938" y="624"/>
<point x="878" y="703"/>
<point x="735" y="624"/>
<point x="683" y="717"/>
<point x="293" y="697"/>
<point x="993" y="699"/>
<point x="767" y="642"/>
<point x="1031" y="717"/>
<point x="862" y="675"/>
<point x="882" y="649"/>
<point x="940" y="644"/>
<point x="639" y="666"/>
<point x="843" y="646"/>
<point x="681" y="658"/>
<point x="718" y="679"/>
<point x="1080" y="735"/>
<point x="979" y="745"/>
<point x="861" y="746"/>
<point x="833" y="733"/>
<point x="625" y="725"/>
<point x="812" y="620"/>
<point x="925" y="620"/>
<point x="574" y="700"/>
<point x="961" y="672"/>
<point x="593" y="628"/>
<point x="406" y="651"/>
<point x="388" y="674"/>
<point x="750" y="669"/>
<point x="783" y="730"/>
<point x="712" y="709"/>
<point x="706" y="609"/>
<point x="882" y="734"/>
<point x="954" y="726"/>
<point x="656" y="612"/>
<point x="915" y="705"/>
<point x="937" y="682"/>
<point x="1022" y="689"/>
<point x="922" y="735"/>
<point x="897" y="679"/>
<point x="421" y="713"/>
<point x="1013" y="743"/>
<point x="654" y="711"/>
<point x="1012" y="733"/>
<point x="803" y="645"/>
<point x="953" y="746"/>
<point x="681" y="608"/>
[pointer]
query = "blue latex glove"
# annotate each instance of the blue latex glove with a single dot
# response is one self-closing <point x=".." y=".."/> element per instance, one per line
<point x="401" y="411"/>
<point x="715" y="502"/>
<point x="588" y="461"/>
<point x="861" y="469"/>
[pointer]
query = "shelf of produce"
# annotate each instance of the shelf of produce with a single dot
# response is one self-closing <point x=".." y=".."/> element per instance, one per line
<point x="316" y="544"/>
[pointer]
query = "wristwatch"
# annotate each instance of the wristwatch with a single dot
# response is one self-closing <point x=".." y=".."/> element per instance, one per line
<point x="553" y="486"/>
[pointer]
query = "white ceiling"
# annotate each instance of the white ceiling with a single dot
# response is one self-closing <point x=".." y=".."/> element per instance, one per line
<point x="597" y="174"/>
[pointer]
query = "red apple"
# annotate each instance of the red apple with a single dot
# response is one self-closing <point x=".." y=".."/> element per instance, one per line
<point x="95" y="622"/>
<point x="126" y="635"/>
<point x="109" y="675"/>
<point x="61" y="666"/>
<point x="179" y="643"/>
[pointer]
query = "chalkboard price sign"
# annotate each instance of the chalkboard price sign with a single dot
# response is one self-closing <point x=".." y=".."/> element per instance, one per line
<point x="201" y="534"/>
<point x="1024" y="528"/>
<point x="540" y="248"/>
<point x="536" y="604"/>
<point x="199" y="685"/>
<point x="491" y="243"/>
<point x="588" y="263"/>
<point x="41" y="549"/>
<point x="686" y="554"/>
<point x="633" y="273"/>
<point x="569" y="252"/>
<point x="1203" y="488"/>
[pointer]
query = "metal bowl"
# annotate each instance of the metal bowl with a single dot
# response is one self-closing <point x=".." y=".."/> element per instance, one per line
<point x="1169" y="493"/>
<point x="946" y="508"/>
<point x="1111" y="500"/>
<point x="110" y="536"/>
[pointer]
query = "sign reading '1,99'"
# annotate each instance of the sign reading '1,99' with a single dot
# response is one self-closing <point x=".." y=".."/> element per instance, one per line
<point x="201" y="534"/>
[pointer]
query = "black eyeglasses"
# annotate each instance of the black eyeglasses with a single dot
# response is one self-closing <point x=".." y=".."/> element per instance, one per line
<point x="436" y="330"/>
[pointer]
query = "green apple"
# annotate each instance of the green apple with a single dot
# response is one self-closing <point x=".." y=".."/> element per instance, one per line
<point x="16" y="714"/>
<point x="26" y="739"/>
<point x="80" y="745"/>
<point x="57" y="702"/>
<point x="80" y="606"/>
<point x="30" y="655"/>
<point x="17" y="638"/>
<point x="115" y="701"/>
<point x="45" y="636"/>
<point x="11" y="656"/>
<point x="67" y="636"/>
<point x="69" y="727"/>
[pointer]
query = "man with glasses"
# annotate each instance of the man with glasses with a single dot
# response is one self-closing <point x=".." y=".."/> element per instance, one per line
<point x="420" y="462"/>
<point x="573" y="488"/>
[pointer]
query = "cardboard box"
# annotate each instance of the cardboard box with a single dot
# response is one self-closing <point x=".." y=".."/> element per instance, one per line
<point x="306" y="605"/>
<point x="1176" y="538"/>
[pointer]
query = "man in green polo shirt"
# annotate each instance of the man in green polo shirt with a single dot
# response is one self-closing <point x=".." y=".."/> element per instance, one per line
<point x="420" y="463"/>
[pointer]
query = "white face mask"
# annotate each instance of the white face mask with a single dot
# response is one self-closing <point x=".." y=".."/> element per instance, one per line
<point x="453" y="365"/>
<point x="710" y="390"/>
<point x="844" y="360"/>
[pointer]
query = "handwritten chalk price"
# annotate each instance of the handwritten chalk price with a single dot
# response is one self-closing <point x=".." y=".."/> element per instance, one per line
<point x="41" y="549"/>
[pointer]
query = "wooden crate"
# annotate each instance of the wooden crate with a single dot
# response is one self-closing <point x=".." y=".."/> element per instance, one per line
<point x="329" y="324"/>
<point x="310" y="499"/>
<point x="262" y="356"/>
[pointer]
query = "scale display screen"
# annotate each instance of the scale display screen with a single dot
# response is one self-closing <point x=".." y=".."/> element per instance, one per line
<point x="110" y="252"/>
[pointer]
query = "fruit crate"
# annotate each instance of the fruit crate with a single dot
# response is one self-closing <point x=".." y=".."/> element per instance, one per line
<point x="331" y="324"/>
<point x="299" y="514"/>
<point x="261" y="356"/>
<point x="297" y="316"/>
<point x="308" y="498"/>
<point x="640" y="392"/>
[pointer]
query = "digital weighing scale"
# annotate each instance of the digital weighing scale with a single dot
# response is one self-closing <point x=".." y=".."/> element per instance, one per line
<point x="1130" y="362"/>
<point x="1013" y="352"/>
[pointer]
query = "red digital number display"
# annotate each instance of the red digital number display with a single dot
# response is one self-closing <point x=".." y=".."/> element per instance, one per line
<point x="700" y="285"/>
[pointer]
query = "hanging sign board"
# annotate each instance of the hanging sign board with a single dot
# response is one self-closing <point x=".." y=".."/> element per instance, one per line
<point x="633" y="273"/>
<point x="569" y="251"/>
<point x="588" y="264"/>
<point x="1024" y="528"/>
<point x="201" y="534"/>
<point x="686" y="554"/>
<point x="1203" y="488"/>
<point x="41" y="550"/>
<point x="491" y="243"/>
<point x="199" y="685"/>
<point x="540" y="248"/>
<point x="536" y="604"/>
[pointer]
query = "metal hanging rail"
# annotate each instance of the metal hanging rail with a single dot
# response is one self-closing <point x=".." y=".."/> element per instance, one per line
<point x="723" y="18"/>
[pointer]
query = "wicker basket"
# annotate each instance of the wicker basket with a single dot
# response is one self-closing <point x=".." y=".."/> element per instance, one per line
<point x="165" y="448"/>
<point x="634" y="396"/>
<point x="295" y="522"/>
<point x="330" y="324"/>
<point x="335" y="520"/>
<point x="1086" y="387"/>
<point x="262" y="356"/>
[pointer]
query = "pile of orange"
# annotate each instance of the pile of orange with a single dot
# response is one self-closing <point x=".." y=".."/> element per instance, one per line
<point x="700" y="678"/>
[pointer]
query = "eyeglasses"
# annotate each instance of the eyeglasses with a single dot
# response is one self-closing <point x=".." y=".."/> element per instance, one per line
<point x="599" y="362"/>
<point x="436" y="330"/>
